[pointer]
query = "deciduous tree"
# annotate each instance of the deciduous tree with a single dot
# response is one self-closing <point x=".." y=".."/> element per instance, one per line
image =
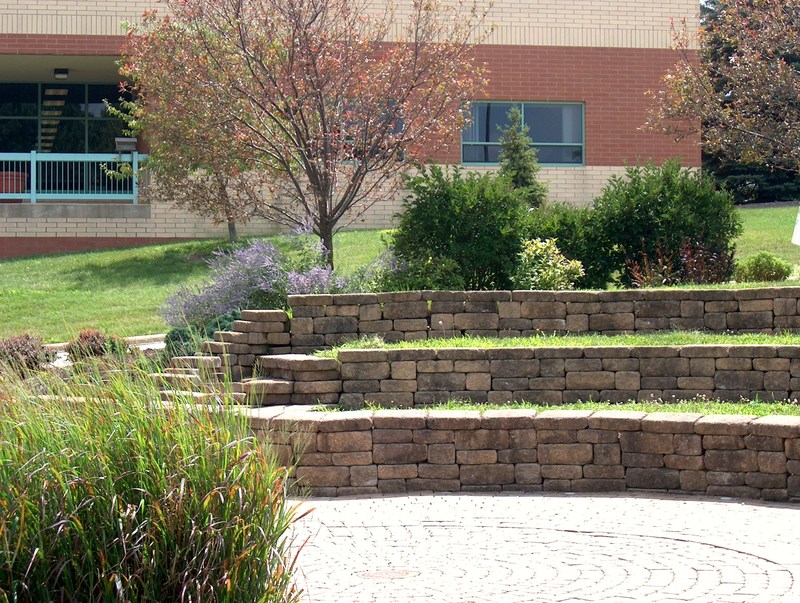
<point x="324" y="102"/>
<point x="744" y="89"/>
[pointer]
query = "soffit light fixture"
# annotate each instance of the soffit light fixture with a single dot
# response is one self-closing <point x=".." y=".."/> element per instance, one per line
<point x="60" y="73"/>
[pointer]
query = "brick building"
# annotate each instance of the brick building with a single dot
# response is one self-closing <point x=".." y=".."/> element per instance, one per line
<point x="580" y="71"/>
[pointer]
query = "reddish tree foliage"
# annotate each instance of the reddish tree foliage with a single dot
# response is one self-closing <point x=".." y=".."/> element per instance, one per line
<point x="745" y="88"/>
<point x="314" y="107"/>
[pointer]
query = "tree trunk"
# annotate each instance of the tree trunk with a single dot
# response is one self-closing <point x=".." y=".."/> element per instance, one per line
<point x="232" y="234"/>
<point x="326" y="235"/>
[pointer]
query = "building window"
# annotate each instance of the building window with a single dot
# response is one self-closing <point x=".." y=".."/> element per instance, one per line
<point x="555" y="128"/>
<point x="58" y="118"/>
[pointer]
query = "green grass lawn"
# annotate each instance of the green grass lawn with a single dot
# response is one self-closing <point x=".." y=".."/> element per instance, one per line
<point x="769" y="228"/>
<point x="122" y="290"/>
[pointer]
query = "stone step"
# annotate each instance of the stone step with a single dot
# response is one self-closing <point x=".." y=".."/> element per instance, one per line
<point x="203" y="363"/>
<point x="175" y="395"/>
<point x="177" y="379"/>
<point x="298" y="362"/>
<point x="264" y="386"/>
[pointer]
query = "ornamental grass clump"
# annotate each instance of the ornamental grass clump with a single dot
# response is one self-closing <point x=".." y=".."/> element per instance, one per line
<point x="110" y="496"/>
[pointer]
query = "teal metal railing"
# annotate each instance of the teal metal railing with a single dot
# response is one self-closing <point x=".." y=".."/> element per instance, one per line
<point x="70" y="177"/>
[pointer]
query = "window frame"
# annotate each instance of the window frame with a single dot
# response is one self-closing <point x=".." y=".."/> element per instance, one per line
<point x="522" y="104"/>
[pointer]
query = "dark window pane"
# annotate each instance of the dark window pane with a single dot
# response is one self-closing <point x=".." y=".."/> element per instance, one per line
<point x="554" y="123"/>
<point x="560" y="154"/>
<point x="486" y="121"/>
<point x="17" y="135"/>
<point x="69" y="138"/>
<point x="478" y="153"/>
<point x="18" y="99"/>
<point x="98" y="93"/>
<point x="102" y="133"/>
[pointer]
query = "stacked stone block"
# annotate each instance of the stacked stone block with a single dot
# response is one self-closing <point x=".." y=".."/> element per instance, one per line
<point x="391" y="451"/>
<point x="258" y="332"/>
<point x="298" y="379"/>
<point x="556" y="375"/>
<point x="325" y="320"/>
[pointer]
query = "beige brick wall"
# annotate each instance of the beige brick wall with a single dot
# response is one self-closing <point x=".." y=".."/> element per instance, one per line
<point x="606" y="23"/>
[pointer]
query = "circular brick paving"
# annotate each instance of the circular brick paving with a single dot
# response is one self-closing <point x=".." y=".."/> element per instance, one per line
<point x="505" y="548"/>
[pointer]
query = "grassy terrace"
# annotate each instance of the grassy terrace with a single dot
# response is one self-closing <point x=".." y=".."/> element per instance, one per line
<point x="122" y="290"/>
<point x="539" y="341"/>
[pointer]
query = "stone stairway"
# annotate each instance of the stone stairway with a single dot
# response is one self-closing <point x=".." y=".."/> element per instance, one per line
<point x="293" y="379"/>
<point x="281" y="379"/>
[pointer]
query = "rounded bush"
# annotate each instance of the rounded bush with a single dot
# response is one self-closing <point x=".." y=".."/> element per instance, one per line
<point x="23" y="353"/>
<point x="471" y="224"/>
<point x="761" y="267"/>
<point x="92" y="342"/>
<point x="655" y="209"/>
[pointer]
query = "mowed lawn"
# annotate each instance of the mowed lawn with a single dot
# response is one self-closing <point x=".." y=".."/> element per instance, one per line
<point x="121" y="291"/>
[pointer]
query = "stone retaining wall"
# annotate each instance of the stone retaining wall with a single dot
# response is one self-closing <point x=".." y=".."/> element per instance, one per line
<point x="321" y="321"/>
<point x="556" y="375"/>
<point x="578" y="451"/>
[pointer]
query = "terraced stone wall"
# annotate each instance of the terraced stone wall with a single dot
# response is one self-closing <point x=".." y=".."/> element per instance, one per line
<point x="556" y="375"/>
<point x="577" y="451"/>
<point x="320" y="321"/>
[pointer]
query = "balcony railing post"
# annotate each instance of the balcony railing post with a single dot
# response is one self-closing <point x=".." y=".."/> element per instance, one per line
<point x="135" y="182"/>
<point x="33" y="177"/>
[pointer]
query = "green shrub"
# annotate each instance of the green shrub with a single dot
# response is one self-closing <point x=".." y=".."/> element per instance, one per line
<point x="542" y="266"/>
<point x="655" y="207"/>
<point x="573" y="228"/>
<point x="92" y="343"/>
<point x="469" y="221"/>
<point x="186" y="340"/>
<point x="763" y="266"/>
<point x="23" y="353"/>
<point x="109" y="497"/>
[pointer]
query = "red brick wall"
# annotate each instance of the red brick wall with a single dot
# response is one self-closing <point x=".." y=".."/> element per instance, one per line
<point x="60" y="44"/>
<point x="14" y="247"/>
<point x="612" y="82"/>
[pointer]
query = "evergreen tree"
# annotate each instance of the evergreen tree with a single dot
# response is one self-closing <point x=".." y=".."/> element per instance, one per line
<point x="518" y="159"/>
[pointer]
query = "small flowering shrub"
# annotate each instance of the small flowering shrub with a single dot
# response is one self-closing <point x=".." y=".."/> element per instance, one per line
<point x="257" y="275"/>
<point x="23" y="353"/>
<point x="91" y="343"/>
<point x="763" y="267"/>
<point x="543" y="266"/>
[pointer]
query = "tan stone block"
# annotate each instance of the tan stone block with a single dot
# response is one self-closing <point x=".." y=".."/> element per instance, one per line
<point x="351" y="458"/>
<point x="724" y="424"/>
<point x="399" y="454"/>
<point x="731" y="460"/>
<point x="644" y="442"/>
<point x="370" y="312"/>
<point x="776" y="426"/>
<point x="604" y="471"/>
<point x="688" y="444"/>
<point x="398" y="385"/>
<point x="723" y="442"/>
<point x="641" y="459"/>
<point x="693" y="481"/>
<point x="482" y="439"/>
<point x="363" y="476"/>
<point x="399" y="419"/>
<point x="652" y="478"/>
<point x="344" y="441"/>
<point x="522" y="438"/>
<point x="557" y="436"/>
<point x="365" y="370"/>
<point x="771" y="462"/>
<point x="392" y="436"/>
<point x="598" y="436"/>
<point x="442" y="454"/>
<point x="397" y="471"/>
<point x="679" y="461"/>
<point x="765" y="480"/>
<point x="323" y="476"/>
<point x="476" y="457"/>
<point x="427" y="471"/>
<point x="562" y="471"/>
<point x="403" y="369"/>
<point x="563" y="419"/>
<point x="433" y="485"/>
<point x="434" y="436"/>
<point x="487" y="474"/>
<point x="478" y="381"/>
<point x="528" y="473"/>
<point x="725" y="478"/>
<point x="565" y="454"/>
<point x="590" y="380"/>
<point x="606" y="454"/>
